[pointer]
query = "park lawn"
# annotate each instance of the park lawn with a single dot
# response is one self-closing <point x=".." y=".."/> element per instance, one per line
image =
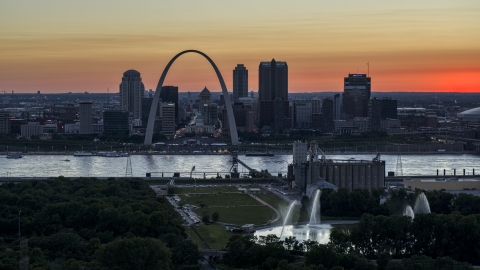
<point x="195" y="238"/>
<point x="222" y="199"/>
<point x="240" y="215"/>
<point x="274" y="201"/>
<point x="186" y="190"/>
<point x="215" y="235"/>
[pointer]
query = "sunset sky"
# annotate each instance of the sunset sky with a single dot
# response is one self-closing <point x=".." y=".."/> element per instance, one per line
<point x="76" y="46"/>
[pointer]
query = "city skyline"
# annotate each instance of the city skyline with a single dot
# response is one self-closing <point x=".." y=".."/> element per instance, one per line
<point x="68" y="46"/>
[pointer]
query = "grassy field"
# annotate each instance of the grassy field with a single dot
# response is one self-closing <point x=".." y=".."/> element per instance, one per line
<point x="273" y="200"/>
<point x="195" y="238"/>
<point x="186" y="190"/>
<point x="233" y="208"/>
<point x="214" y="235"/>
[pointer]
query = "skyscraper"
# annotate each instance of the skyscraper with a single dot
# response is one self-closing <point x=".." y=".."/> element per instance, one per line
<point x="131" y="93"/>
<point x="273" y="95"/>
<point x="356" y="93"/>
<point x="170" y="94"/>
<point x="240" y="82"/>
<point x="4" y="122"/>
<point x="85" y="115"/>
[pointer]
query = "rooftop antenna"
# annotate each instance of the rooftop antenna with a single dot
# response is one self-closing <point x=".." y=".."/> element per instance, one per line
<point x="368" y="69"/>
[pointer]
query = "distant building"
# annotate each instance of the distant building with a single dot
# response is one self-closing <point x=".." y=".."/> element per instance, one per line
<point x="240" y="82"/>
<point x="31" y="129"/>
<point x="72" y="128"/>
<point x="131" y="93"/>
<point x="381" y="109"/>
<point x="170" y="94"/>
<point x="247" y="101"/>
<point x="415" y="118"/>
<point x="168" y="119"/>
<point x="375" y="113"/>
<point x="356" y="93"/>
<point x="327" y="115"/>
<point x="210" y="113"/>
<point x="389" y="108"/>
<point x="337" y="107"/>
<point x="4" y="122"/>
<point x="244" y="119"/>
<point x="273" y="95"/>
<point x="205" y="96"/>
<point x="302" y="114"/>
<point x="85" y="116"/>
<point x="116" y="122"/>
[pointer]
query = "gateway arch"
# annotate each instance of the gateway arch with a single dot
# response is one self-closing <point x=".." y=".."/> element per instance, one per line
<point x="228" y="104"/>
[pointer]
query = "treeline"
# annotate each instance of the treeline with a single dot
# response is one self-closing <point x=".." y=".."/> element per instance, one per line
<point x="355" y="203"/>
<point x="269" y="253"/>
<point x="113" y="224"/>
<point x="433" y="235"/>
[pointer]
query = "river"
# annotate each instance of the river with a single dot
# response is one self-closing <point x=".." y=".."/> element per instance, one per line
<point x="97" y="166"/>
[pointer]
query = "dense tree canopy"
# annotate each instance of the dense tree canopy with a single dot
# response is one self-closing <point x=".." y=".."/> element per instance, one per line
<point x="83" y="222"/>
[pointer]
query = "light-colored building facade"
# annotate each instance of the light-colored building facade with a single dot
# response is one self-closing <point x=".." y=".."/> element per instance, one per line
<point x="31" y="129"/>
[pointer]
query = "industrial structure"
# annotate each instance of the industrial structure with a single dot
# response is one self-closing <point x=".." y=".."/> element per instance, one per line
<point x="311" y="167"/>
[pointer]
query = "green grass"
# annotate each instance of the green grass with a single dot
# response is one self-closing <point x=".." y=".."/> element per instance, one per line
<point x="215" y="235"/>
<point x="186" y="190"/>
<point x="240" y="215"/>
<point x="195" y="239"/>
<point x="273" y="200"/>
<point x="219" y="200"/>
<point x="233" y="208"/>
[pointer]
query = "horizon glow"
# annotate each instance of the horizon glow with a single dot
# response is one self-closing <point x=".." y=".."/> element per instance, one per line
<point x="60" y="46"/>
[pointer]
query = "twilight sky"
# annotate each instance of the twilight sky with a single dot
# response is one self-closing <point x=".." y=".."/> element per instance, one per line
<point x="66" y="45"/>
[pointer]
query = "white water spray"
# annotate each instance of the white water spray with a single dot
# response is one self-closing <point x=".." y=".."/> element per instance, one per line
<point x="285" y="219"/>
<point x="315" y="209"/>
<point x="421" y="205"/>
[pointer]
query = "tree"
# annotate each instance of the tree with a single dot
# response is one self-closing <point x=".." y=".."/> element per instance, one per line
<point x="135" y="253"/>
<point x="206" y="219"/>
<point x="215" y="217"/>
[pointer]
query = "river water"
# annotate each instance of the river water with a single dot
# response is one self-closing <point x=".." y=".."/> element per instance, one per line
<point x="97" y="166"/>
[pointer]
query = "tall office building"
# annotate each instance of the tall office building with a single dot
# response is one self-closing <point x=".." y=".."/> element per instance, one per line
<point x="4" y="122"/>
<point x="389" y="108"/>
<point x="170" y="94"/>
<point x="337" y="106"/>
<point x="240" y="82"/>
<point x="273" y="95"/>
<point x="327" y="115"/>
<point x="356" y="93"/>
<point x="375" y="113"/>
<point x="131" y="93"/>
<point x="116" y="122"/>
<point x="85" y="115"/>
<point x="168" y="118"/>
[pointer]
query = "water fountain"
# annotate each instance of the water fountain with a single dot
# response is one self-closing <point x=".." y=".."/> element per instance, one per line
<point x="315" y="212"/>
<point x="408" y="211"/>
<point x="285" y="219"/>
<point x="421" y="205"/>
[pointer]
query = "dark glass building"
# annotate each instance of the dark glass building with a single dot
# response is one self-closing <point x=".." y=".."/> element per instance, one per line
<point x="356" y="93"/>
<point x="273" y="95"/>
<point x="115" y="121"/>
<point x="240" y="82"/>
<point x="170" y="94"/>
